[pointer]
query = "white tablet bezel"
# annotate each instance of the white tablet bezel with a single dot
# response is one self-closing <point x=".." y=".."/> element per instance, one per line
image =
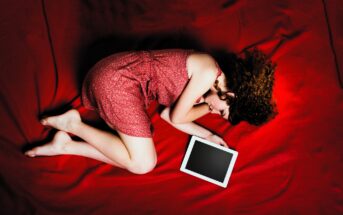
<point x="229" y="171"/>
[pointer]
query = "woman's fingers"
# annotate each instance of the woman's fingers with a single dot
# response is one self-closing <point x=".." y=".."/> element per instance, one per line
<point x="226" y="146"/>
<point x="223" y="143"/>
<point x="218" y="140"/>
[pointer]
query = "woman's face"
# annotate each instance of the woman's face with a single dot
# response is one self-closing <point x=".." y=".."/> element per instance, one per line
<point x="217" y="105"/>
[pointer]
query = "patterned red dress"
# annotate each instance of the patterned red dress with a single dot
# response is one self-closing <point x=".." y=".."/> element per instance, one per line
<point x="120" y="87"/>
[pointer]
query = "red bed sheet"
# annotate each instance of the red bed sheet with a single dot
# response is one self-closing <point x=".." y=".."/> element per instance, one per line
<point x="291" y="165"/>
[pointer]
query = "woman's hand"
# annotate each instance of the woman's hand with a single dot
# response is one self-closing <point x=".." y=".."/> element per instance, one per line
<point x="216" y="139"/>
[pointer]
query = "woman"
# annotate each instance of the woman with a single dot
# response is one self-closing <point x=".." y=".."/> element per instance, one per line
<point x="189" y="84"/>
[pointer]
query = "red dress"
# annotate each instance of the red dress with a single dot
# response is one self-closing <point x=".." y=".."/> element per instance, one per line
<point x="120" y="87"/>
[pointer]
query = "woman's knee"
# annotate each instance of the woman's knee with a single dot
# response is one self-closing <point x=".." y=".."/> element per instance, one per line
<point x="143" y="157"/>
<point x="142" y="166"/>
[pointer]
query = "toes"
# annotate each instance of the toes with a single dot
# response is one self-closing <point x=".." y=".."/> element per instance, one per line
<point x="30" y="153"/>
<point x="44" y="122"/>
<point x="48" y="121"/>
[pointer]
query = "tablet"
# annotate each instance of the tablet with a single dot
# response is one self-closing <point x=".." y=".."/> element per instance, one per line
<point x="209" y="161"/>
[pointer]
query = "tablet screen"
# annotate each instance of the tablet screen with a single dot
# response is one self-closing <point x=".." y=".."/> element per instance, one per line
<point x="209" y="161"/>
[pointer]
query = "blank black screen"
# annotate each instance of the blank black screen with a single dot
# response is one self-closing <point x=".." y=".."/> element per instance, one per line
<point x="209" y="161"/>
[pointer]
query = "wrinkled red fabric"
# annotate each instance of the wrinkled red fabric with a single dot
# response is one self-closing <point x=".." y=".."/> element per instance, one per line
<point x="291" y="165"/>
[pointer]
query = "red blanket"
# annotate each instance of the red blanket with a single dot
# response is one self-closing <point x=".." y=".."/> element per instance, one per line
<point x="291" y="165"/>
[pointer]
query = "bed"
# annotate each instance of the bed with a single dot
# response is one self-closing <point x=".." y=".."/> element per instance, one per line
<point x="291" y="165"/>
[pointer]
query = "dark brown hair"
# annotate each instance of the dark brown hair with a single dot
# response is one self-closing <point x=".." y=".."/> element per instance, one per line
<point x="251" y="79"/>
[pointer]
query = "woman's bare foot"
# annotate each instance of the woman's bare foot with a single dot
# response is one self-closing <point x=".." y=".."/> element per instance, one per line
<point x="63" y="122"/>
<point x="55" y="147"/>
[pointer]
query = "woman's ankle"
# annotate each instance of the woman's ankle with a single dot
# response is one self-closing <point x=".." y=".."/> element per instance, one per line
<point x="75" y="127"/>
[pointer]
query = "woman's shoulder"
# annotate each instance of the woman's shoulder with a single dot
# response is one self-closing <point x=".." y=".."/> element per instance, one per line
<point x="200" y="62"/>
<point x="202" y="58"/>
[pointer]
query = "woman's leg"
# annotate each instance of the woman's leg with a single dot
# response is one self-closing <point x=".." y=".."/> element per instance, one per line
<point x="136" y="154"/>
<point x="106" y="143"/>
<point x="139" y="156"/>
<point x="63" y="144"/>
<point x="84" y="149"/>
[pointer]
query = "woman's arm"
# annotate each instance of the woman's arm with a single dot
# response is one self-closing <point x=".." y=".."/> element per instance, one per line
<point x="193" y="129"/>
<point x="199" y="84"/>
<point x="190" y="127"/>
<point x="197" y="111"/>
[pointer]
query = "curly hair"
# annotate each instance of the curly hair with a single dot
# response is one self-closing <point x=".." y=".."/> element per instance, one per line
<point x="251" y="79"/>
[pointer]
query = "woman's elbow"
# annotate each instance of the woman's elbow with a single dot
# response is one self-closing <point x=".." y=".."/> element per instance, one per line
<point x="165" y="114"/>
<point x="176" y="120"/>
<point x="174" y="117"/>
